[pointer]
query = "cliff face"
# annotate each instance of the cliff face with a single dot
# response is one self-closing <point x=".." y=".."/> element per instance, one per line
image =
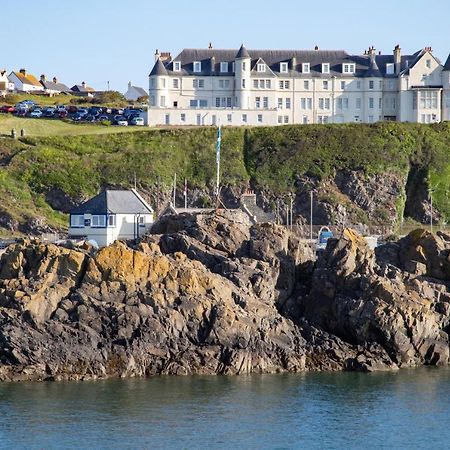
<point x="212" y="294"/>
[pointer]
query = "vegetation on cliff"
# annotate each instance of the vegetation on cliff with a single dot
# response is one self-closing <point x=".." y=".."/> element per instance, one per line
<point x="272" y="158"/>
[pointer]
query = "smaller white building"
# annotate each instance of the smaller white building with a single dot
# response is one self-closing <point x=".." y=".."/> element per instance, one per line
<point x="111" y="215"/>
<point x="24" y="82"/>
<point x="134" y="92"/>
<point x="5" y="85"/>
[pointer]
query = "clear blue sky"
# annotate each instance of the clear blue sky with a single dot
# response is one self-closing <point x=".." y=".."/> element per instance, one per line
<point x="114" y="40"/>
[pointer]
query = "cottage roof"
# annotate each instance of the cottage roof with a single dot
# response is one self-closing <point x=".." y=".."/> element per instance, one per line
<point x="114" y="202"/>
<point x="80" y="88"/>
<point x="27" y="79"/>
<point x="141" y="92"/>
<point x="51" y="86"/>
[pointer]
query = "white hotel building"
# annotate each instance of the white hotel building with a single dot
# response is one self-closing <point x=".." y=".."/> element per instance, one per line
<point x="270" y="87"/>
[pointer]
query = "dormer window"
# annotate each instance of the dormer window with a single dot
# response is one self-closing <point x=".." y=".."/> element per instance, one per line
<point x="176" y="66"/>
<point x="283" y="67"/>
<point x="306" y="68"/>
<point x="346" y="68"/>
<point x="224" y="67"/>
<point x="326" y="68"/>
<point x="197" y="66"/>
<point x="261" y="67"/>
<point x="390" y="67"/>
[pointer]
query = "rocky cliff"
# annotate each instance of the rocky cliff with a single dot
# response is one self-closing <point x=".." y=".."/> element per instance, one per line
<point x="211" y="294"/>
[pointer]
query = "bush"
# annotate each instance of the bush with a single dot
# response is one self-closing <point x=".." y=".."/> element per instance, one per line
<point x="106" y="123"/>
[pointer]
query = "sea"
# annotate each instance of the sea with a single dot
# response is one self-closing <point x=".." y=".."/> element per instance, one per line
<point x="407" y="409"/>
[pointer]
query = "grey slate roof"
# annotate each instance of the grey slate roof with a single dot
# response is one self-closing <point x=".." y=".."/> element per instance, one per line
<point x="158" y="68"/>
<point x="55" y="86"/>
<point x="373" y="70"/>
<point x="211" y="59"/>
<point x="113" y="202"/>
<point x="140" y="91"/>
<point x="80" y="88"/>
<point x="447" y="63"/>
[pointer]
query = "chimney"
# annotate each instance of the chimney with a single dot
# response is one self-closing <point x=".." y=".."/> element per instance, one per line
<point x="428" y="49"/>
<point x="129" y="85"/>
<point x="157" y="55"/>
<point x="397" y="59"/>
<point x="55" y="80"/>
<point x="43" y="78"/>
<point x="23" y="71"/>
<point x="371" y="53"/>
<point x="213" y="64"/>
<point x="293" y="63"/>
<point x="165" y="56"/>
<point x="83" y="84"/>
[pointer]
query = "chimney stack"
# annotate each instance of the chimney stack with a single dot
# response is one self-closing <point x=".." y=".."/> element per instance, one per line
<point x="213" y="64"/>
<point x="43" y="78"/>
<point x="23" y="72"/>
<point x="397" y="59"/>
<point x="55" y="80"/>
<point x="316" y="48"/>
<point x="293" y="63"/>
<point x="157" y="55"/>
<point x="83" y="84"/>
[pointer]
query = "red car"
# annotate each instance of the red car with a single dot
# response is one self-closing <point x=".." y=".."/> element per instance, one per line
<point x="72" y="109"/>
<point x="62" y="114"/>
<point x="7" y="109"/>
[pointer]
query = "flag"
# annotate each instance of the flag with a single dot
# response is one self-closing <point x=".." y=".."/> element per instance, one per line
<point x="219" y="139"/>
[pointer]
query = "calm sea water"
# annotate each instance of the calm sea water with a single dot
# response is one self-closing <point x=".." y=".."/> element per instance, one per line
<point x="407" y="409"/>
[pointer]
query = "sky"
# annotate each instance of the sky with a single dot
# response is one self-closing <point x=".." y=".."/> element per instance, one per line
<point x="101" y="41"/>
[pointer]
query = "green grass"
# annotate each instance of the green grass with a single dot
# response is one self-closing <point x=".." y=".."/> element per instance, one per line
<point x="81" y="159"/>
<point x="55" y="127"/>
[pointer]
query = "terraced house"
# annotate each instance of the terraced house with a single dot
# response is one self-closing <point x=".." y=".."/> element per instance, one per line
<point x="269" y="87"/>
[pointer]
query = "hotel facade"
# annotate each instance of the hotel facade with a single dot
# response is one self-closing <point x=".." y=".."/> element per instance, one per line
<point x="277" y="87"/>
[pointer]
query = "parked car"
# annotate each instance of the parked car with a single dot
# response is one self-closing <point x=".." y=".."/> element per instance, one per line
<point x="62" y="113"/>
<point x="137" y="121"/>
<point x="7" y="109"/>
<point x="49" y="112"/>
<point x="21" y="113"/>
<point x="89" y="118"/>
<point x="82" y="111"/>
<point x="122" y="122"/>
<point x="61" y="108"/>
<point x="77" y="117"/>
<point x="36" y="113"/>
<point x="72" y="109"/>
<point x="103" y="117"/>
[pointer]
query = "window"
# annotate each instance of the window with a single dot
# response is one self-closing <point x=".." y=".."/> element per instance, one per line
<point x="175" y="83"/>
<point x="306" y="68"/>
<point x="255" y="84"/>
<point x="141" y="221"/>
<point x="176" y="66"/>
<point x="286" y="84"/>
<point x="428" y="63"/>
<point x="306" y="85"/>
<point x="217" y="102"/>
<point x="167" y="119"/>
<point x="428" y="100"/>
<point x="371" y="119"/>
<point x="244" y="118"/>
<point x="380" y="103"/>
<point x="280" y="119"/>
<point x="152" y="100"/>
<point x="358" y="103"/>
<point x="265" y="102"/>
<point x="183" y="117"/>
<point x="288" y="103"/>
<point x="286" y="119"/>
<point x="203" y="103"/>
<point x="198" y="83"/>
<point x="371" y="102"/>
<point x="305" y="120"/>
<point x="281" y="84"/>
<point x="224" y="67"/>
<point x="390" y="69"/>
<point x="326" y="68"/>
<point x="348" y="68"/>
<point x="198" y="103"/>
<point x="229" y="117"/>
<point x="260" y="118"/>
<point x="356" y="118"/>
<point x="339" y="103"/>
<point x="390" y="103"/>
<point x="345" y="103"/>
<point x="303" y="103"/>
<point x="309" y="103"/>
<point x="224" y="84"/>
<point x="321" y="103"/>
<point x="380" y="85"/>
<point x="280" y="103"/>
<point x="163" y="82"/>
<point x="197" y="65"/>
<point x="258" y="102"/>
<point x="163" y="101"/>
<point x="243" y="83"/>
<point x="327" y="103"/>
<point x="152" y="82"/>
<point x="261" y="84"/>
<point x="261" y="67"/>
<point x="228" y="102"/>
<point x="391" y="84"/>
<point x="325" y="85"/>
<point x="358" y="85"/>
<point x="371" y="84"/>
<point x="268" y="84"/>
<point x="98" y="221"/>
<point x="112" y="220"/>
<point x="283" y="67"/>
<point x="343" y="85"/>
<point x="77" y="221"/>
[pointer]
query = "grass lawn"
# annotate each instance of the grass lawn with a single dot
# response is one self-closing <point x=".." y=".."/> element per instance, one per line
<point x="55" y="127"/>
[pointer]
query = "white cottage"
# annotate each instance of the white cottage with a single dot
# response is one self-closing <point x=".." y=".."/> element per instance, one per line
<point x="111" y="215"/>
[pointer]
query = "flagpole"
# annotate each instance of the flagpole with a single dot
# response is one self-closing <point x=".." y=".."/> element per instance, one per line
<point x="174" y="188"/>
<point x="219" y="139"/>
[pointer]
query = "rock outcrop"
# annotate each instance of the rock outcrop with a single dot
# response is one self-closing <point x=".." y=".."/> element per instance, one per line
<point x="211" y="294"/>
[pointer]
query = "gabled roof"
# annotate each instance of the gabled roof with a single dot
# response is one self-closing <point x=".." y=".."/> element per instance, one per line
<point x="242" y="53"/>
<point x="158" y="68"/>
<point x="80" y="88"/>
<point x="447" y="63"/>
<point x="27" y="79"/>
<point x="51" y="86"/>
<point x="141" y="92"/>
<point x="114" y="202"/>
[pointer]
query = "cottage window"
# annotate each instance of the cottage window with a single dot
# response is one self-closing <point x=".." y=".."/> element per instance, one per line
<point x="98" y="221"/>
<point x="77" y="221"/>
<point x="142" y="221"/>
<point x="112" y="220"/>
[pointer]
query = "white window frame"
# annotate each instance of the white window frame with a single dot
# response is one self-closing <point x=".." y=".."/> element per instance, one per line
<point x="77" y="221"/>
<point x="261" y="67"/>
<point x="325" y="67"/>
<point x="390" y="69"/>
<point x="349" y="68"/>
<point x="284" y="67"/>
<point x="224" y="67"/>
<point x="175" y="83"/>
<point x="176" y="66"/>
<point x="197" y="66"/>
<point x="306" y="68"/>
<point x="98" y="221"/>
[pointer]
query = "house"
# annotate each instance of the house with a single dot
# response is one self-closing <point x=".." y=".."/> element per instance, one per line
<point x="24" y="82"/>
<point x="134" y="92"/>
<point x="5" y="85"/>
<point x="53" y="87"/>
<point x="82" y="90"/>
<point x="111" y="215"/>
<point x="205" y="86"/>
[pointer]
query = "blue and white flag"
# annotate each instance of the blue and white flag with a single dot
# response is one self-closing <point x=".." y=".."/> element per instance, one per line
<point x="219" y="139"/>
